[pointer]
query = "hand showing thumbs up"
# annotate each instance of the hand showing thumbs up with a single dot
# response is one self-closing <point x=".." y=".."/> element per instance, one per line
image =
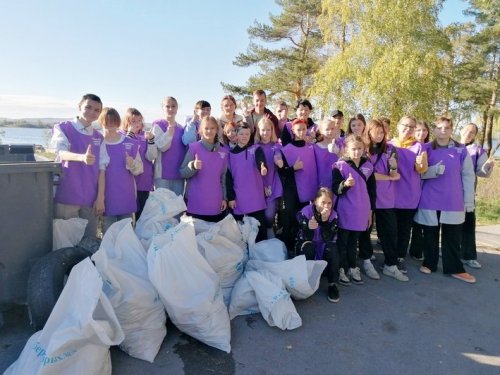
<point x="393" y="163"/>
<point x="88" y="158"/>
<point x="298" y="164"/>
<point x="350" y="182"/>
<point x="278" y="161"/>
<point x="313" y="223"/>
<point x="263" y="169"/>
<point x="440" y="167"/>
<point x="197" y="164"/>
<point x="129" y="160"/>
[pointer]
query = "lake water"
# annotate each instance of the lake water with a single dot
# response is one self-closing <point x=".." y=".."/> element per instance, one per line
<point x="25" y="136"/>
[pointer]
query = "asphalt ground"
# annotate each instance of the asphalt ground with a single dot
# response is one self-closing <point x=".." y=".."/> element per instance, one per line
<point x="433" y="324"/>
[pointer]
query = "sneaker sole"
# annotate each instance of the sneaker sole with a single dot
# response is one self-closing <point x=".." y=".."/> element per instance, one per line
<point x="469" y="281"/>
<point x="395" y="278"/>
<point x="357" y="282"/>
<point x="333" y="300"/>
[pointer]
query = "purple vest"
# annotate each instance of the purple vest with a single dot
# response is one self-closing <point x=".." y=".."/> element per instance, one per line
<point x="385" y="189"/>
<point x="144" y="181"/>
<point x="120" y="191"/>
<point x="308" y="212"/>
<point x="204" y="190"/>
<point x="324" y="163"/>
<point x="354" y="205"/>
<point x="407" y="189"/>
<point x="171" y="159"/>
<point x="247" y="182"/>
<point x="272" y="179"/>
<point x="306" y="178"/>
<point x="445" y="192"/>
<point x="78" y="185"/>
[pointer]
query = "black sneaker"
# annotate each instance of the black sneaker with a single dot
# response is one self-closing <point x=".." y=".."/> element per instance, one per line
<point x="402" y="266"/>
<point x="333" y="293"/>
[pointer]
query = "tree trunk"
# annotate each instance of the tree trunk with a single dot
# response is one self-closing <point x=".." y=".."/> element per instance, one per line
<point x="482" y="136"/>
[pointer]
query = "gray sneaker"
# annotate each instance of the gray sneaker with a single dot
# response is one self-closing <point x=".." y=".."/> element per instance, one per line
<point x="343" y="279"/>
<point x="472" y="263"/>
<point x="402" y="266"/>
<point x="370" y="270"/>
<point x="395" y="273"/>
<point x="355" y="275"/>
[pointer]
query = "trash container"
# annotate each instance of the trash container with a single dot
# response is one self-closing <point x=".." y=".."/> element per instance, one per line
<point x="17" y="153"/>
<point x="26" y="200"/>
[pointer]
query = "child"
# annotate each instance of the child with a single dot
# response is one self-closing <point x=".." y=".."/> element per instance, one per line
<point x="245" y="188"/>
<point x="170" y="149"/>
<point x="303" y="110"/>
<point x="267" y="140"/>
<point x="356" y="125"/>
<point x="383" y="158"/>
<point x="412" y="162"/>
<point x="417" y="237"/>
<point x="133" y="126"/>
<point x="124" y="163"/>
<point x="354" y="185"/>
<point x="81" y="151"/>
<point x="201" y="109"/>
<point x="483" y="166"/>
<point x="447" y="193"/>
<point x="204" y="167"/>
<point x="229" y="139"/>
<point x="228" y="108"/>
<point x="326" y="151"/>
<point x="315" y="239"/>
<point x="299" y="179"/>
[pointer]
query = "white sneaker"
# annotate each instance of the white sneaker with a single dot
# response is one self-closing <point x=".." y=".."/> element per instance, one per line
<point x="355" y="274"/>
<point x="370" y="270"/>
<point x="472" y="263"/>
<point x="395" y="273"/>
<point x="343" y="279"/>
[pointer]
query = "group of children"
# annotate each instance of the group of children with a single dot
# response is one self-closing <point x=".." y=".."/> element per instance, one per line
<point x="315" y="186"/>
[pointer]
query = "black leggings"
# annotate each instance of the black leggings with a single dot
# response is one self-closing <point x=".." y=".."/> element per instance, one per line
<point x="261" y="217"/>
<point x="330" y="254"/>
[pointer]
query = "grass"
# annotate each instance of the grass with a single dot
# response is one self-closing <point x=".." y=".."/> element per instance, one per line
<point x="488" y="198"/>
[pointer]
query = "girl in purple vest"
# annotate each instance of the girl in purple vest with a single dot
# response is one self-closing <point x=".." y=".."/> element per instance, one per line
<point x="354" y="185"/>
<point x="120" y="193"/>
<point x="133" y="126"/>
<point x="265" y="137"/>
<point x="422" y="133"/>
<point x="299" y="179"/>
<point x="447" y="193"/>
<point x="245" y="188"/>
<point x="81" y="151"/>
<point x="412" y="162"/>
<point x="316" y="236"/>
<point x="384" y="160"/>
<point x="204" y="167"/>
<point x="326" y="151"/>
<point x="170" y="149"/>
<point x="483" y="166"/>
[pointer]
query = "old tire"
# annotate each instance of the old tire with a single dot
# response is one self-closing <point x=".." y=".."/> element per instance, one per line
<point x="46" y="281"/>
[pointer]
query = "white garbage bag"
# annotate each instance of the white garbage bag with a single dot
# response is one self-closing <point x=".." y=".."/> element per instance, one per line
<point x="158" y="214"/>
<point x="225" y="257"/>
<point x="243" y="300"/>
<point x="189" y="288"/>
<point x="67" y="233"/>
<point x="227" y="227"/>
<point x="121" y="261"/>
<point x="274" y="301"/>
<point x="301" y="276"/>
<point x="249" y="229"/>
<point x="77" y="336"/>
<point x="272" y="250"/>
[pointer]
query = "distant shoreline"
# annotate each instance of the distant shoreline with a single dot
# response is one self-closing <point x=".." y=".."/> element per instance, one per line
<point x="29" y="126"/>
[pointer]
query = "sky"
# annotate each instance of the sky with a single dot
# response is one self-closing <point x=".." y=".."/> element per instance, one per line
<point x="131" y="53"/>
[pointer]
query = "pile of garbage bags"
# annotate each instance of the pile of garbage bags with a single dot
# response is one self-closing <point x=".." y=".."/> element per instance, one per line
<point x="199" y="274"/>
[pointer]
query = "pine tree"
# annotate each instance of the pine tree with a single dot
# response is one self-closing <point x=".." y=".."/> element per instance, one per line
<point x="292" y="54"/>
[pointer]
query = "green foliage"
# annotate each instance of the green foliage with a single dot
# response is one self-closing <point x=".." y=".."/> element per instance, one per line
<point x="386" y="58"/>
<point x="488" y="211"/>
<point x="292" y="54"/>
